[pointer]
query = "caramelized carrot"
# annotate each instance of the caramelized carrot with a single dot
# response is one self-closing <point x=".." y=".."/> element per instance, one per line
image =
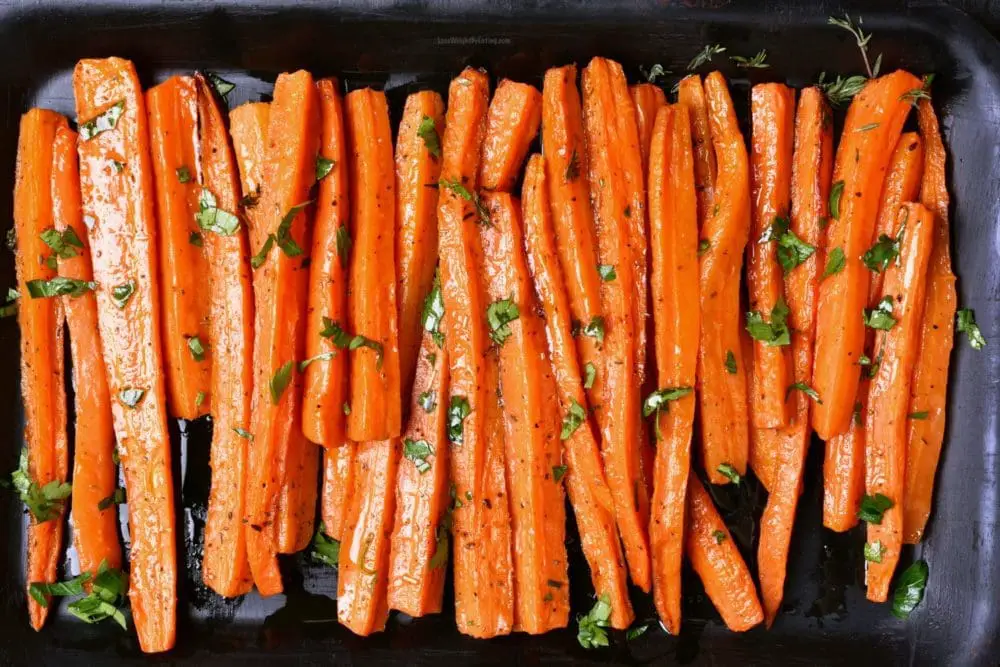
<point x="889" y="396"/>
<point x="930" y="379"/>
<point x="484" y="605"/>
<point x="173" y="134"/>
<point x="648" y="99"/>
<point x="588" y="491"/>
<point x="248" y="128"/>
<point x="418" y="167"/>
<point x="419" y="556"/>
<point x="718" y="563"/>
<point x="295" y="519"/>
<point x="723" y="392"/>
<point x="811" y="168"/>
<point x="281" y="291"/>
<point x="531" y="426"/>
<point x="874" y="122"/>
<point x="673" y="226"/>
<point x="615" y="212"/>
<point x="41" y="323"/>
<point x="363" y="572"/>
<point x="338" y="482"/>
<point x="324" y="382"/>
<point x="119" y="207"/>
<point x="691" y="94"/>
<point x="511" y="125"/>
<point x="375" y="399"/>
<point x="566" y="172"/>
<point x="95" y="530"/>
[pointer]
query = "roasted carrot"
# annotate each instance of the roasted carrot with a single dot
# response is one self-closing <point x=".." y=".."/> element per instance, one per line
<point x="718" y="562"/>
<point x="618" y="332"/>
<point x="811" y="168"/>
<point x="280" y="291"/>
<point x="95" y="530"/>
<point x="248" y="128"/>
<point x="530" y="423"/>
<point x="338" y="482"/>
<point x="419" y="557"/>
<point x="363" y="572"/>
<point x="874" y="122"/>
<point x="567" y="171"/>
<point x="418" y="167"/>
<point x="673" y="227"/>
<point x="42" y="364"/>
<point x="723" y="390"/>
<point x="324" y="382"/>
<point x="898" y="343"/>
<point x="122" y="233"/>
<point x="484" y="605"/>
<point x="930" y="379"/>
<point x="588" y="490"/>
<point x="376" y="406"/>
<point x="295" y="519"/>
<point x="691" y="94"/>
<point x="648" y="99"/>
<point x="511" y="125"/>
<point x="173" y="134"/>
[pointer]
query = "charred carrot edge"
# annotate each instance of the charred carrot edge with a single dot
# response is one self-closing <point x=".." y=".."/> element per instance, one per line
<point x="511" y="125"/>
<point x="718" y="563"/>
<point x="889" y="396"/>
<point x="281" y="290"/>
<point x="811" y="169"/>
<point x="723" y="393"/>
<point x="419" y="557"/>
<point x="610" y="191"/>
<point x="566" y="169"/>
<point x="531" y="427"/>
<point x="484" y="605"/>
<point x="930" y="380"/>
<point x="418" y="168"/>
<point x="673" y="227"/>
<point x="648" y="99"/>
<point x="772" y="110"/>
<point x="363" y="571"/>
<point x="95" y="530"/>
<point x="324" y="382"/>
<point x="295" y="519"/>
<point x="338" y="482"/>
<point x="41" y="323"/>
<point x="376" y="408"/>
<point x="874" y="122"/>
<point x="123" y="238"/>
<point x="173" y="134"/>
<point x="691" y="94"/>
<point x="248" y="129"/>
<point x="588" y="490"/>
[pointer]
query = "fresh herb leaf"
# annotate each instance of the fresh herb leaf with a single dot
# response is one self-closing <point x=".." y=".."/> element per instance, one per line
<point x="44" y="502"/>
<point x="211" y="218"/>
<point x="458" y="410"/>
<point x="183" y="174"/>
<point x="607" y="272"/>
<point x="325" y="550"/>
<point x="359" y="341"/>
<point x="720" y="536"/>
<point x="433" y="312"/>
<point x="805" y="389"/>
<point x="862" y="39"/>
<point x="336" y="334"/>
<point x="966" y="318"/>
<point x="558" y="472"/>
<point x="428" y="132"/>
<point x="873" y="507"/>
<point x="322" y="356"/>
<point x="841" y="90"/>
<point x="637" y="631"/>
<point x="757" y="61"/>
<point x="427" y="400"/>
<point x="130" y="397"/>
<point x="499" y="315"/>
<point x="59" y="286"/>
<point x="704" y="246"/>
<point x="279" y="381"/>
<point x="456" y="187"/>
<point x="874" y="551"/>
<point x="243" y="433"/>
<point x="196" y="348"/>
<point x="418" y="451"/>
<point x="344" y="244"/>
<point x="792" y="250"/>
<point x="222" y="87"/>
<point x="121" y="294"/>
<point x="589" y="375"/>
<point x="729" y="472"/>
<point x="199" y="399"/>
<point x="41" y="591"/>
<point x="660" y="399"/>
<point x="324" y="167"/>
<point x="914" y="95"/>
<point x="774" y="333"/>
<point x="591" y="628"/>
<point x="731" y="362"/>
<point x="919" y="416"/>
<point x="258" y="260"/>
<point x="883" y="251"/>
<point x="867" y="128"/>
<point x="594" y="329"/>
<point x="880" y="317"/>
<point x="572" y="420"/>
<point x="107" y="120"/>
<point x="195" y="239"/>
<point x="117" y="497"/>
<point x="64" y="244"/>
<point x="346" y="407"/>
<point x="655" y="72"/>
<point x="705" y="56"/>
<point x="910" y="589"/>
<point x="835" y="262"/>
<point x="107" y="592"/>
<point x="283" y="235"/>
<point x="836" y="192"/>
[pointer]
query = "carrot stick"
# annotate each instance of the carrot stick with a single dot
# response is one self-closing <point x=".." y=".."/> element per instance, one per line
<point x="419" y="556"/>
<point x="723" y="392"/>
<point x="42" y="364"/>
<point x="567" y="170"/>
<point x="119" y="206"/>
<point x="531" y="425"/>
<point x="648" y="99"/>
<point x="173" y="134"/>
<point x="873" y="125"/>
<point x="889" y="397"/>
<point x="325" y="388"/>
<point x="930" y="379"/>
<point x="588" y="490"/>
<point x="691" y="94"/>
<point x="618" y="417"/>
<point x="295" y="518"/>
<point x="673" y="224"/>
<point x="718" y="563"/>
<point x="811" y="168"/>
<point x="511" y="125"/>
<point x="418" y="168"/>
<point x="338" y="481"/>
<point x="248" y="128"/>
<point x="280" y="292"/>
<point x="375" y="399"/>
<point x="484" y="605"/>
<point x="95" y="530"/>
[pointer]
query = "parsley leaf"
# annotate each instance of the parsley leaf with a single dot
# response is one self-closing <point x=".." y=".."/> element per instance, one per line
<point x="591" y="632"/>
<point x="729" y="472"/>
<point x="774" y="333"/>
<point x="107" y="120"/>
<point x="427" y="400"/>
<point x="44" y="502"/>
<point x="344" y="244"/>
<point x="730" y="362"/>
<point x="836" y="193"/>
<point x="322" y="356"/>
<point x="607" y="272"/>
<point x="874" y="551"/>
<point x="966" y="318"/>
<point x="704" y="246"/>
<point x="42" y="591"/>
<point x="835" y="262"/>
<point x="499" y="315"/>
<point x="792" y="250"/>
<point x="183" y="174"/>
<point x="324" y="167"/>
<point x="283" y="234"/>
<point x="130" y="397"/>
<point x="873" y="507"/>
<point x="107" y="592"/>
<point x="258" y="260"/>
<point x="594" y="329"/>
<point x="880" y="317"/>
<point x="884" y="250"/>
<point x="64" y="244"/>
<point x="720" y="536"/>
<point x="590" y="374"/>
<point x="458" y="410"/>
<point x="574" y="417"/>
<point x="325" y="549"/>
<point x="359" y="341"/>
<point x="59" y="286"/>
<point x="919" y="416"/>
<point x="805" y="389"/>
<point x="428" y="132"/>
<point x="433" y="312"/>
<point x="196" y="348"/>
<point x="336" y="334"/>
<point x="211" y="218"/>
<point x="280" y="380"/>
<point x="222" y="87"/>
<point x="117" y="497"/>
<point x="910" y="589"/>
<point x="558" y="472"/>
<point x="660" y="399"/>
<point x="418" y="451"/>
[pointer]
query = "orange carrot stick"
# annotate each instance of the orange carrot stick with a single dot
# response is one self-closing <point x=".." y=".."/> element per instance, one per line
<point x="118" y="209"/>
<point x="691" y="94"/>
<point x="338" y="483"/>
<point x="375" y="399"/>
<point x="648" y="99"/>
<point x="930" y="380"/>
<point x="723" y="390"/>
<point x="418" y="167"/>
<point x="511" y="125"/>
<point x="173" y="133"/>
<point x="248" y="128"/>
<point x="296" y="515"/>
<point x="588" y="490"/>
